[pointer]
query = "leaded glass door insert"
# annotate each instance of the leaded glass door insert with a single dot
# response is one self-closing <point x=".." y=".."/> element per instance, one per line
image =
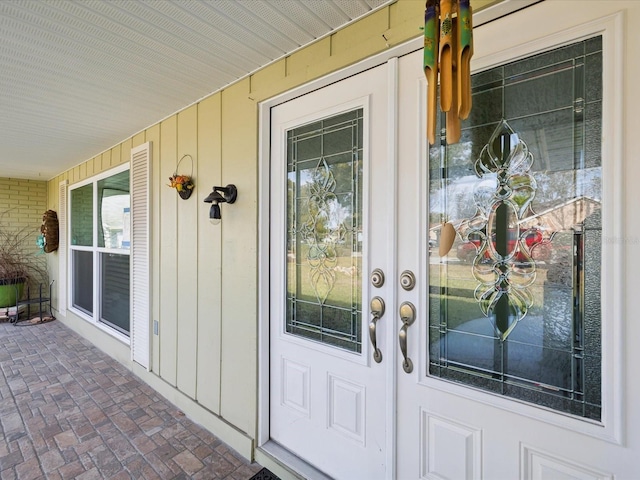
<point x="324" y="231"/>
<point x="515" y="305"/>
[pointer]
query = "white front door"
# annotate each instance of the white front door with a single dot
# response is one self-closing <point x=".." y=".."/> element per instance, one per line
<point x="513" y="344"/>
<point x="330" y="214"/>
<point x="498" y="359"/>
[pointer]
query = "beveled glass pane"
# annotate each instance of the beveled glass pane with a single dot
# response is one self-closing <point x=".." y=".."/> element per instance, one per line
<point x="515" y="305"/>
<point x="324" y="231"/>
<point x="82" y="216"/>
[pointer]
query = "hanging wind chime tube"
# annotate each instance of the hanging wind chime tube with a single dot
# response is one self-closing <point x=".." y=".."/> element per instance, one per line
<point x="448" y="47"/>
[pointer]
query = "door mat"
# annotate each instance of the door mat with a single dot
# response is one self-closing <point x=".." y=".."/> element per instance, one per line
<point x="265" y="474"/>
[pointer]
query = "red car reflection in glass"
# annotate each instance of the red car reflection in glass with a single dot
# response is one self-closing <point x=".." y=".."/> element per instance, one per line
<point x="539" y="249"/>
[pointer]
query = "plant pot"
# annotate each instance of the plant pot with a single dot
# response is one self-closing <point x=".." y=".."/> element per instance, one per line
<point x="185" y="193"/>
<point x="9" y="288"/>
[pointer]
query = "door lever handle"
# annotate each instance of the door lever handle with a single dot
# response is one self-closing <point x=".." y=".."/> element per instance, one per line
<point x="408" y="316"/>
<point x="377" y="310"/>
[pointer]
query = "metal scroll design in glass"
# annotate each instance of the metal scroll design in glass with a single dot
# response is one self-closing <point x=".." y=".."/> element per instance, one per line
<point x="503" y="264"/>
<point x="538" y="340"/>
<point x="324" y="231"/>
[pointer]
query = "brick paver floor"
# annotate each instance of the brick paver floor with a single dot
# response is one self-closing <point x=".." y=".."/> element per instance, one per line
<point x="67" y="410"/>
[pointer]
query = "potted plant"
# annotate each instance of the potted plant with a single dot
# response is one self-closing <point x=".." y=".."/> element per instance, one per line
<point x="18" y="263"/>
<point x="182" y="183"/>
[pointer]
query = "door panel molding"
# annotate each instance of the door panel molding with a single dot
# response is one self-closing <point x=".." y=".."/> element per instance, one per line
<point x="445" y="437"/>
<point x="539" y="465"/>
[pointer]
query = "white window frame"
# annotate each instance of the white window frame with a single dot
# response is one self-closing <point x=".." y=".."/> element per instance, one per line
<point x="94" y="319"/>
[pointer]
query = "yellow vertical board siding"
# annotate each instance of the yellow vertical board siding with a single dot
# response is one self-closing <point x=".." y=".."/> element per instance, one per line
<point x="138" y="139"/>
<point x="105" y="160"/>
<point x="406" y="21"/>
<point x="365" y="31"/>
<point x="304" y="59"/>
<point x="76" y="174"/>
<point x="209" y="256"/>
<point x="52" y="194"/>
<point x="403" y="11"/>
<point x="270" y="81"/>
<point x="125" y="153"/>
<point x="239" y="258"/>
<point x="155" y="185"/>
<point x="114" y="159"/>
<point x="168" y="332"/>
<point x="479" y="4"/>
<point x="90" y="167"/>
<point x="345" y="47"/>
<point x="187" y="267"/>
<point x="100" y="161"/>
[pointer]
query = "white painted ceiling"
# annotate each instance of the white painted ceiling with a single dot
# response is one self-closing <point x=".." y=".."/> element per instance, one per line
<point x="79" y="76"/>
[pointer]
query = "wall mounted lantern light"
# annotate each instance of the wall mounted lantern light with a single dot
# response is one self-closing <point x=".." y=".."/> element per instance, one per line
<point x="220" y="195"/>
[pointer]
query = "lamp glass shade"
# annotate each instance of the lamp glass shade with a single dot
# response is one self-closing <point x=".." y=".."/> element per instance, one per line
<point x="214" y="214"/>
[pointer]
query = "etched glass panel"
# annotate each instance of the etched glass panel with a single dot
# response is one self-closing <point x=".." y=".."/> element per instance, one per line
<point x="324" y="231"/>
<point x="515" y="304"/>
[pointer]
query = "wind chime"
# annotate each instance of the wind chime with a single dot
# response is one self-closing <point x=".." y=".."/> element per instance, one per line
<point x="448" y="47"/>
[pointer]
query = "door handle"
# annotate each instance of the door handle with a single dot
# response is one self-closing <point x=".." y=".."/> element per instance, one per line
<point x="408" y="316"/>
<point x="377" y="310"/>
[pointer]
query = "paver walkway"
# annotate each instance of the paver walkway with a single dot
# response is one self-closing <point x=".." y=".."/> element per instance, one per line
<point x="67" y="410"/>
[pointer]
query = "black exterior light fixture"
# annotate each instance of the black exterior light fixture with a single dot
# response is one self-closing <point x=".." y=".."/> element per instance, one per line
<point x="220" y="195"/>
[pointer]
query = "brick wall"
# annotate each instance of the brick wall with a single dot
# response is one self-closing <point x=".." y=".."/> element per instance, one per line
<point x="22" y="203"/>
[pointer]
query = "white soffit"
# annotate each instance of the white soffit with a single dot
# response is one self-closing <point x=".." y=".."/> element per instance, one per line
<point x="79" y="76"/>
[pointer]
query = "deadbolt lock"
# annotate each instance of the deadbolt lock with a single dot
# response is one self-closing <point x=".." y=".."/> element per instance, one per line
<point x="407" y="280"/>
<point x="377" y="278"/>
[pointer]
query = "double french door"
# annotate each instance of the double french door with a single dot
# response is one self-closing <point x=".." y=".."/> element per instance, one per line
<point x="388" y="360"/>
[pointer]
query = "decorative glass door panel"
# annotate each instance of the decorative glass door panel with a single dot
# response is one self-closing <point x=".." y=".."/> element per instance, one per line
<point x="515" y="304"/>
<point x="324" y="231"/>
